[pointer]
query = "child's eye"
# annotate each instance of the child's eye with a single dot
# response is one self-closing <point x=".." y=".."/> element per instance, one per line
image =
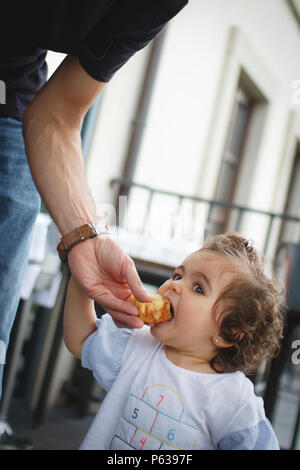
<point x="176" y="277"/>
<point x="198" y="289"/>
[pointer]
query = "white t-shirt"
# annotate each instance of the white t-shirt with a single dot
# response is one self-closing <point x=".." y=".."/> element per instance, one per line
<point x="153" y="404"/>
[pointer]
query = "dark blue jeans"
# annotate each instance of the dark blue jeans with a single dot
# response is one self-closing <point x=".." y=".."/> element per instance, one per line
<point x="19" y="207"/>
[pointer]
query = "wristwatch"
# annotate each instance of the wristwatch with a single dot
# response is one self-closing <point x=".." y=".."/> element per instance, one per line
<point x="78" y="235"/>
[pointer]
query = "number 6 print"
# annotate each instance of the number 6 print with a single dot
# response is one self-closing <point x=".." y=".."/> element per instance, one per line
<point x="171" y="434"/>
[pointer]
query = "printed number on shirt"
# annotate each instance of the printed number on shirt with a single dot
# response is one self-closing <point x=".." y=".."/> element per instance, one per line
<point x="171" y="434"/>
<point x="161" y="399"/>
<point x="143" y="441"/>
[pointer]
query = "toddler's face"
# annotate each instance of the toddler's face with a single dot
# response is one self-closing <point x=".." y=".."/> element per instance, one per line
<point x="192" y="291"/>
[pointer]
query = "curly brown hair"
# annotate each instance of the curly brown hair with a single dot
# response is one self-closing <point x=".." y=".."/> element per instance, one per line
<point x="249" y="311"/>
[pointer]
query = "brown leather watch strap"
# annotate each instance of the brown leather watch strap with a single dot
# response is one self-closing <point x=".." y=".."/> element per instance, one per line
<point x="78" y="235"/>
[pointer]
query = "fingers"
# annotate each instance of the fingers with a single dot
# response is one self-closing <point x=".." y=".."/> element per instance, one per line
<point x="133" y="280"/>
<point x="125" y="313"/>
<point x="120" y="324"/>
<point x="126" y="321"/>
<point x="110" y="303"/>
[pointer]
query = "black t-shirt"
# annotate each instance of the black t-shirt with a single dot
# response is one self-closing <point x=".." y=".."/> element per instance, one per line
<point x="103" y="34"/>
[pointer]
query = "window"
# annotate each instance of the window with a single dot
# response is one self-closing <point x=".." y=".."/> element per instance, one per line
<point x="290" y="232"/>
<point x="242" y="142"/>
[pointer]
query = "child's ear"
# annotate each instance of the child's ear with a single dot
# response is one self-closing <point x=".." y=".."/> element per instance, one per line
<point x="220" y="342"/>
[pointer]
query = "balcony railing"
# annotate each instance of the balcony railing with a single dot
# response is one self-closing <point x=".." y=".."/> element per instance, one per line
<point x="233" y="223"/>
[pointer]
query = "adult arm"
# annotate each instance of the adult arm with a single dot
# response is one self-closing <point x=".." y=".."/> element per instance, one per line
<point x="52" y="124"/>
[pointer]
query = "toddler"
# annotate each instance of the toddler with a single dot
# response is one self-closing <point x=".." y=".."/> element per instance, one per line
<point x="182" y="384"/>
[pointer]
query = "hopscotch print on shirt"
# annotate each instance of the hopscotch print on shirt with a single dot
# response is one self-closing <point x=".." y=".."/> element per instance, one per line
<point x="147" y="424"/>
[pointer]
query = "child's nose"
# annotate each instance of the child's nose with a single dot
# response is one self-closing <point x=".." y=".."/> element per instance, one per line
<point x="163" y="288"/>
<point x="170" y="285"/>
<point x="176" y="286"/>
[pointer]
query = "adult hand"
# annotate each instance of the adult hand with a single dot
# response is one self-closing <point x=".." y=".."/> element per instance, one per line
<point x="108" y="275"/>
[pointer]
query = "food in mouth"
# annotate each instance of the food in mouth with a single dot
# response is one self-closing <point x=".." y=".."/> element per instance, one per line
<point x="157" y="311"/>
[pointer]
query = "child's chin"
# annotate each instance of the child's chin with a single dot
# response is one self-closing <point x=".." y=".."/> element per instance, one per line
<point x="157" y="329"/>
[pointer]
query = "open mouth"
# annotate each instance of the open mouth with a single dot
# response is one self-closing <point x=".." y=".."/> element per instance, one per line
<point x="171" y="311"/>
<point x="171" y="308"/>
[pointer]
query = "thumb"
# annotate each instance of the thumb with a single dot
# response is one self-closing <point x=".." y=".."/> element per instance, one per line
<point x="133" y="280"/>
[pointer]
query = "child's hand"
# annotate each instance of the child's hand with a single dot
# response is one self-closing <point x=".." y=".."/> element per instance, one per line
<point x="108" y="275"/>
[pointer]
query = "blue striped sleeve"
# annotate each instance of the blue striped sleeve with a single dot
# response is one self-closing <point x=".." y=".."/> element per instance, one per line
<point x="258" y="437"/>
<point x="103" y="351"/>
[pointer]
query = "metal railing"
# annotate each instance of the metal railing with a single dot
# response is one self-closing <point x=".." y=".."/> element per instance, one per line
<point x="272" y="217"/>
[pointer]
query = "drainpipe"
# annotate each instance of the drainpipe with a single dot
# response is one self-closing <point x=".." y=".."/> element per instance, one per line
<point x="139" y="122"/>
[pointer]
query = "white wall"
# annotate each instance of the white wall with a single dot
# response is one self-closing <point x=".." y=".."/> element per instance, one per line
<point x="117" y="111"/>
<point x="53" y="60"/>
